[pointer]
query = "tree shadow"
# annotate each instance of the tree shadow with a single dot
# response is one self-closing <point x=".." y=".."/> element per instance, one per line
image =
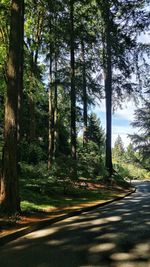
<point x="116" y="235"/>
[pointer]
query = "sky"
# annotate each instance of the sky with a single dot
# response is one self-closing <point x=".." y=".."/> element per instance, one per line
<point x="121" y="120"/>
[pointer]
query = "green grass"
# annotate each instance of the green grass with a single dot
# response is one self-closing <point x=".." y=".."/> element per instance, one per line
<point x="41" y="201"/>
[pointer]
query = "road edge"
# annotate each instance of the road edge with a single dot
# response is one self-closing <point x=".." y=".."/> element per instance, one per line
<point x="39" y="225"/>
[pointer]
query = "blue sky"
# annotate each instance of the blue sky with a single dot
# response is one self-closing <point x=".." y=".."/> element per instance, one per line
<point x="121" y="121"/>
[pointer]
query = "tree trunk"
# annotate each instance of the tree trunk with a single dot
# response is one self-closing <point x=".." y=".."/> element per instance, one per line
<point x="51" y="117"/>
<point x="33" y="73"/>
<point x="9" y="194"/>
<point x="55" y="109"/>
<point x="73" y="91"/>
<point x="32" y="121"/>
<point x="108" y="93"/>
<point x="20" y="78"/>
<point x="84" y="95"/>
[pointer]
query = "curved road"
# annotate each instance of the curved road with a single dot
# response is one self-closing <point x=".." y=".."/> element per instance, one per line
<point x="117" y="235"/>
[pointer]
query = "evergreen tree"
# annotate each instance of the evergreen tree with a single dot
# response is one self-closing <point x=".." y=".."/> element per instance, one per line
<point x="130" y="156"/>
<point x="118" y="150"/>
<point x="141" y="140"/>
<point x="95" y="132"/>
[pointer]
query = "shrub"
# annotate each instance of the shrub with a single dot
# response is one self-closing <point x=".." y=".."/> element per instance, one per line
<point x="90" y="162"/>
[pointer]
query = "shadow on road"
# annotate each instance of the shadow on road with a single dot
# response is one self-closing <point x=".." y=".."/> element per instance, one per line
<point x="117" y="235"/>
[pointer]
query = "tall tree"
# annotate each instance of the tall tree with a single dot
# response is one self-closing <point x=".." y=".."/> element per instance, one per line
<point x="9" y="194"/>
<point x="73" y="91"/>
<point x="107" y="66"/>
<point x="85" y="114"/>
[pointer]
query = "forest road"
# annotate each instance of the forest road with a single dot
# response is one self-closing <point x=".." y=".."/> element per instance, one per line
<point x="117" y="235"/>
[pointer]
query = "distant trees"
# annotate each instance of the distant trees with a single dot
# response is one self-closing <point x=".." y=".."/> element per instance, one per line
<point x="119" y="150"/>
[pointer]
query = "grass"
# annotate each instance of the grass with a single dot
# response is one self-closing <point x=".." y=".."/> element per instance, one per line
<point x="40" y="191"/>
<point x="56" y="198"/>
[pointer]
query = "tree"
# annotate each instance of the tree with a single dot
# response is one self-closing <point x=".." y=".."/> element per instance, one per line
<point x="9" y="194"/>
<point x="141" y="140"/>
<point x="73" y="92"/>
<point x="130" y="156"/>
<point x="95" y="133"/>
<point x="118" y="150"/>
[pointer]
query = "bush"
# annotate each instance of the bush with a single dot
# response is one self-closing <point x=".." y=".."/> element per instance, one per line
<point x="32" y="153"/>
<point x="90" y="162"/>
<point x="64" y="171"/>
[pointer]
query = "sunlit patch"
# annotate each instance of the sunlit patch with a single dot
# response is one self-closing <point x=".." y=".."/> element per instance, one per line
<point x="142" y="249"/>
<point x="56" y="242"/>
<point x="102" y="247"/>
<point x="21" y="247"/>
<point x="107" y="236"/>
<point x="131" y="264"/>
<point x="42" y="233"/>
<point x="114" y="219"/>
<point x="99" y="221"/>
<point x="122" y="256"/>
<point x="94" y="229"/>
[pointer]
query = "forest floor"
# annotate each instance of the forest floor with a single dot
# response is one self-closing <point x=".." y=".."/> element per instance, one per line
<point x="90" y="194"/>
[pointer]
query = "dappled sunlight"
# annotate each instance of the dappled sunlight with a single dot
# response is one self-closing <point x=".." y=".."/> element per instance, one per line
<point x="113" y="218"/>
<point x="42" y="233"/>
<point x="56" y="242"/>
<point x="116" y="235"/>
<point x="122" y="256"/>
<point x="99" y="221"/>
<point x="102" y="247"/>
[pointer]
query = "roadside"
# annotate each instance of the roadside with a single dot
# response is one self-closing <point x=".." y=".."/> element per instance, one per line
<point x="28" y="221"/>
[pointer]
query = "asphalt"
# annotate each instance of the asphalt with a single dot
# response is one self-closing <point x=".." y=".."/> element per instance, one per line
<point x="115" y="235"/>
<point x="8" y="237"/>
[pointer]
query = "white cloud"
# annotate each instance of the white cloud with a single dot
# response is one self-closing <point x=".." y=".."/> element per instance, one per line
<point x="121" y="120"/>
<point x="127" y="111"/>
<point x="123" y="131"/>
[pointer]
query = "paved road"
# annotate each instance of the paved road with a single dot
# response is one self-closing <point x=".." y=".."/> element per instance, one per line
<point x="117" y="235"/>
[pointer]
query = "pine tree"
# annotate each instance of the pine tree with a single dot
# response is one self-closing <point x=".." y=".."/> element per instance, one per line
<point x="118" y="150"/>
<point x="95" y="132"/>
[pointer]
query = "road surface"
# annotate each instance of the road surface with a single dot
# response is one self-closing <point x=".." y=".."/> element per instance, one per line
<point x="117" y="235"/>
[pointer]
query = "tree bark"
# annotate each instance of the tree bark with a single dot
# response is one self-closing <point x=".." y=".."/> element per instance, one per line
<point x="20" y="82"/>
<point x="32" y="121"/>
<point x="108" y="92"/>
<point x="73" y="91"/>
<point x="9" y="194"/>
<point x="51" y="117"/>
<point x="84" y="94"/>
<point x="55" y="109"/>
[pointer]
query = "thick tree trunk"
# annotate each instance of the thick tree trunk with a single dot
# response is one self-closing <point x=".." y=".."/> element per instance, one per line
<point x="9" y="194"/>
<point x="84" y="95"/>
<point x="73" y="91"/>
